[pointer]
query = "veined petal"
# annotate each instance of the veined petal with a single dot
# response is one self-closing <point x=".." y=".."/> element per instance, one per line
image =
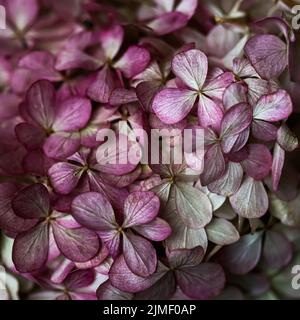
<point x="210" y="112"/>
<point x="172" y="105"/>
<point x="191" y="67"/>
<point x="64" y="177"/>
<point x="32" y="202"/>
<point x="72" y="114"/>
<point x="77" y="244"/>
<point x="156" y="230"/>
<point x="133" y="61"/>
<point x="111" y="40"/>
<point x="94" y="211"/>
<point x="140" y="208"/>
<point x="251" y="200"/>
<point x="273" y="107"/>
<point x="139" y="254"/>
<point x="30" y="250"/>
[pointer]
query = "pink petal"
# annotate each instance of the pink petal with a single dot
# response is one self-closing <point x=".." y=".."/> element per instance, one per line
<point x="287" y="139"/>
<point x="72" y="114"/>
<point x="123" y="279"/>
<point x="172" y="105"/>
<point x="122" y="96"/>
<point x="139" y="254"/>
<point x="229" y="183"/>
<point x="30" y="250"/>
<point x="111" y="41"/>
<point x="259" y="161"/>
<point x="214" y="165"/>
<point x="191" y="67"/>
<point x="263" y="130"/>
<point x="140" y="208"/>
<point x="168" y="22"/>
<point x="61" y="145"/>
<point x="251" y="200"/>
<point x="146" y="92"/>
<point x="78" y="244"/>
<point x="101" y="89"/>
<point x="267" y="54"/>
<point x="215" y="87"/>
<point x="273" y="107"/>
<point x="133" y="61"/>
<point x="234" y="94"/>
<point x="32" y="202"/>
<point x="156" y="230"/>
<point x="40" y="103"/>
<point x="79" y="279"/>
<point x="92" y="210"/>
<point x="210" y="112"/>
<point x="64" y="177"/>
<point x="22" y="12"/>
<point x="187" y="7"/>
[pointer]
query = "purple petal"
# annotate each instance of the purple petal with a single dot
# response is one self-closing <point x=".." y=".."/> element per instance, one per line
<point x="122" y="96"/>
<point x="77" y="244"/>
<point x="234" y="94"/>
<point x="168" y="22"/>
<point x="215" y="87"/>
<point x="111" y="41"/>
<point x="9" y="221"/>
<point x="214" y="165"/>
<point x="79" y="279"/>
<point x="61" y="145"/>
<point x="103" y="86"/>
<point x="242" y="256"/>
<point x="72" y="114"/>
<point x="40" y="103"/>
<point x="108" y="292"/>
<point x="32" y="202"/>
<point x="30" y="136"/>
<point x="236" y="120"/>
<point x="191" y="67"/>
<point x="30" y="250"/>
<point x="193" y="206"/>
<point x="139" y="255"/>
<point x="156" y="230"/>
<point x="140" y="208"/>
<point x="210" y="112"/>
<point x="172" y="105"/>
<point x="277" y="251"/>
<point x="267" y="54"/>
<point x="122" y="278"/>
<point x="273" y="107"/>
<point x="22" y="12"/>
<point x="251" y="200"/>
<point x="202" y="282"/>
<point x="185" y="257"/>
<point x="92" y="210"/>
<point x="65" y="176"/>
<point x="146" y="92"/>
<point x="230" y="182"/>
<point x="259" y="161"/>
<point x="133" y="61"/>
<point x="263" y="130"/>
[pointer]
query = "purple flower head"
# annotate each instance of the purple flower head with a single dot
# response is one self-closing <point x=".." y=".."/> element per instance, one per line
<point x="140" y="216"/>
<point x="53" y="125"/>
<point x="32" y="248"/>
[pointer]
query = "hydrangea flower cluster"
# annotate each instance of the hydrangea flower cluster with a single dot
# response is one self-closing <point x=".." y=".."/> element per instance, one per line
<point x="76" y="226"/>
